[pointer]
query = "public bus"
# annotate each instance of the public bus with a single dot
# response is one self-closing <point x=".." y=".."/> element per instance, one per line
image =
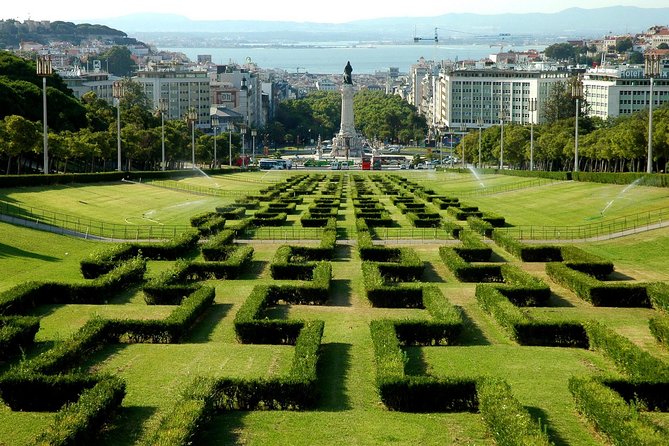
<point x="366" y="163"/>
<point x="268" y="164"/>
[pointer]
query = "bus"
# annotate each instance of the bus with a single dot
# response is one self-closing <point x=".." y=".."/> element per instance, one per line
<point x="269" y="164"/>
<point x="366" y="163"/>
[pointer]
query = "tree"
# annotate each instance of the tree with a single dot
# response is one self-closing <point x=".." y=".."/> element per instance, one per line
<point x="624" y="45"/>
<point x="663" y="46"/>
<point x="119" y="61"/>
<point x="23" y="138"/>
<point x="560" y="52"/>
<point x="560" y="104"/>
<point x="635" y="57"/>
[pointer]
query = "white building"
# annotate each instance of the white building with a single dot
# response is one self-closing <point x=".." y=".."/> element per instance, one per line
<point x="612" y="92"/>
<point x="181" y="88"/>
<point x="463" y="97"/>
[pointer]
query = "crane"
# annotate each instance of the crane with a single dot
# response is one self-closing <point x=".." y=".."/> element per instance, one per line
<point x="418" y="39"/>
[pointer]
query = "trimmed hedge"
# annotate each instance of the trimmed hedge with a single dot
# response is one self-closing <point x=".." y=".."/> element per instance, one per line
<point x="524" y="329"/>
<point x="598" y="293"/>
<point x="527" y="253"/>
<point x="206" y="396"/>
<point x="620" y="421"/>
<point x="78" y="423"/>
<point x="103" y="261"/>
<point x="16" y="334"/>
<point x="232" y="212"/>
<point x="507" y="419"/>
<point x="636" y="363"/>
<point x="659" y="327"/>
<point x="269" y="219"/>
<point x="217" y="248"/>
<point x="481" y="226"/>
<point x="468" y="272"/>
<point x="23" y="297"/>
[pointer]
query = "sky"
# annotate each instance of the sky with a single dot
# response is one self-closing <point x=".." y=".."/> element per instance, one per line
<point x="336" y="11"/>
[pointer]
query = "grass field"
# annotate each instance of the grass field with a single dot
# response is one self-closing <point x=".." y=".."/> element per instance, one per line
<point x="349" y="410"/>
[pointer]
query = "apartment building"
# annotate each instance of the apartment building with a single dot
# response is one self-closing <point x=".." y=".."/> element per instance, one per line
<point x="463" y="98"/>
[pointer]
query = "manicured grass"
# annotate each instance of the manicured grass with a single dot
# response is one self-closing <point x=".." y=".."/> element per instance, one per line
<point x="34" y="255"/>
<point x="348" y="410"/>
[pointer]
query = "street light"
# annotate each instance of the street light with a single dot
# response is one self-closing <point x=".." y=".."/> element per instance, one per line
<point x="576" y="93"/>
<point x="479" y="123"/>
<point x="191" y="117"/>
<point x="254" y="132"/>
<point x="463" y="130"/>
<point x="44" y="69"/>
<point x="214" y="124"/>
<point x="242" y="132"/>
<point x="532" y="108"/>
<point x="117" y="92"/>
<point x="162" y="108"/>
<point x="649" y="165"/>
<point x="502" y="116"/>
<point x="231" y="127"/>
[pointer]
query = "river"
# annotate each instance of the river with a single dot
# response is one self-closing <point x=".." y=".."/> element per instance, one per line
<point x="330" y="58"/>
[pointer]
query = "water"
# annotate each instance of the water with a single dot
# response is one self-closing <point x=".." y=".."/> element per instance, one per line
<point x="330" y="58"/>
<point x="476" y="175"/>
<point x="620" y="195"/>
<point x="207" y="176"/>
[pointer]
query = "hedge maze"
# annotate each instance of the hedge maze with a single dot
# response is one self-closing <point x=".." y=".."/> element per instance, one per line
<point x="416" y="305"/>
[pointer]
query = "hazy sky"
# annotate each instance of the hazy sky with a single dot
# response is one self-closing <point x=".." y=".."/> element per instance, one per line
<point x="292" y="10"/>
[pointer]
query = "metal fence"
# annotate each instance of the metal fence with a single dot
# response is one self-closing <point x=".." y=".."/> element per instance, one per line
<point x="411" y="234"/>
<point x="506" y="187"/>
<point x="195" y="189"/>
<point x="68" y="224"/>
<point x="281" y="233"/>
<point x="592" y="231"/>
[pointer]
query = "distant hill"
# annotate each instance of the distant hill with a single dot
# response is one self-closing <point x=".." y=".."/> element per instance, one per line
<point x="13" y="32"/>
<point x="572" y="23"/>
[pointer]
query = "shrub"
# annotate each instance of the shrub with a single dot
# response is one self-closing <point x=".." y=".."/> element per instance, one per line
<point x="465" y="271"/>
<point x="527" y="253"/>
<point x="507" y="419"/>
<point x="659" y="327"/>
<point x="622" y="423"/>
<point x="79" y="422"/>
<point x="16" y="334"/>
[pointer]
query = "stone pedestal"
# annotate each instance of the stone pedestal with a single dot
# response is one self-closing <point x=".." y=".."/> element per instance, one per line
<point x="347" y="143"/>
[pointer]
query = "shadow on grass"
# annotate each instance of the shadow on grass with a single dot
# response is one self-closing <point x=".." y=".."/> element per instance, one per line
<point x="222" y="428"/>
<point x="203" y="329"/>
<point x="333" y="368"/>
<point x="126" y="427"/>
<point x="471" y="333"/>
<point x="430" y="274"/>
<point x="125" y="297"/>
<point x="558" y="301"/>
<point x="617" y="276"/>
<point x="340" y="293"/>
<point x="497" y="258"/>
<point x="13" y="251"/>
<point x="342" y="253"/>
<point x="255" y="269"/>
<point x="415" y="364"/>
<point x="542" y="417"/>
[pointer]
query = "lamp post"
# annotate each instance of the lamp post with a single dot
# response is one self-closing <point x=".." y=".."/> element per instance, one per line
<point x="254" y="132"/>
<point x="162" y="108"/>
<point x="463" y="130"/>
<point x="242" y="132"/>
<point x="532" y="108"/>
<point x="451" y="151"/>
<point x="191" y="117"/>
<point x="44" y="69"/>
<point x="502" y="116"/>
<point x="231" y="127"/>
<point x="649" y="165"/>
<point x="118" y="92"/>
<point x="214" y="124"/>
<point x="479" y="123"/>
<point x="576" y="93"/>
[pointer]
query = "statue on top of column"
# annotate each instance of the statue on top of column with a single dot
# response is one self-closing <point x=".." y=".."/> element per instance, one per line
<point x="347" y="74"/>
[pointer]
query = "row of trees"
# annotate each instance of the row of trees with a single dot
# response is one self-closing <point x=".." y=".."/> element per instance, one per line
<point x="615" y="145"/>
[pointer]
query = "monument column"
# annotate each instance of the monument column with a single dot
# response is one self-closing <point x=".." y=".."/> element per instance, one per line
<point x="347" y="128"/>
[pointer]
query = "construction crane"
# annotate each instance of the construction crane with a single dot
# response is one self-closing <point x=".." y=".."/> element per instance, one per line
<point x="418" y="39"/>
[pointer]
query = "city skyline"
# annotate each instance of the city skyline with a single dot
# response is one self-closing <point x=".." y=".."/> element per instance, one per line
<point x="270" y="10"/>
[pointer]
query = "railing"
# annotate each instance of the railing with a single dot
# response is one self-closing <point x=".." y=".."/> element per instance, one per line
<point x="62" y="223"/>
<point x="506" y="187"/>
<point x="195" y="189"/>
<point x="281" y="233"/>
<point x="625" y="225"/>
<point x="411" y="234"/>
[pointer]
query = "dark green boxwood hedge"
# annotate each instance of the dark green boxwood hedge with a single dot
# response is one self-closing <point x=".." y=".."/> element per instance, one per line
<point x="469" y="272"/>
<point x="659" y="327"/>
<point x="527" y="253"/>
<point x="16" y="334"/>
<point x="598" y="293"/>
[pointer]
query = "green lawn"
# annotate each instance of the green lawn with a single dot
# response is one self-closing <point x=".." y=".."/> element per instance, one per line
<point x="349" y="410"/>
